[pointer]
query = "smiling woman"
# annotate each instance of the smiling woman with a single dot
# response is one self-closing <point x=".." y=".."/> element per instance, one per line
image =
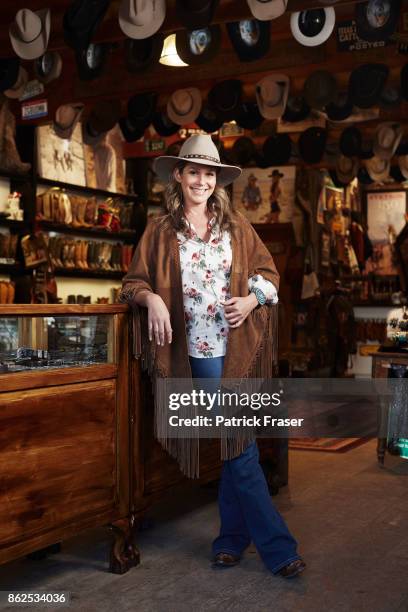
<point x="209" y="285"/>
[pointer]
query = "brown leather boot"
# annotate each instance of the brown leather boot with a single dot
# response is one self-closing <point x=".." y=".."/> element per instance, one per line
<point x="84" y="256"/>
<point x="78" y="254"/>
<point x="9" y="156"/>
<point x="11" y="293"/>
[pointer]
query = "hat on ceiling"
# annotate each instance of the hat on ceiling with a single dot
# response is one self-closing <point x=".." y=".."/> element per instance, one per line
<point x="9" y="69"/>
<point x="163" y="125"/>
<point x="387" y="138"/>
<point x="66" y="118"/>
<point x="198" y="149"/>
<point x="346" y="169"/>
<point x="130" y="132"/>
<point x="17" y="90"/>
<point x="184" y="105"/>
<point x="312" y="144"/>
<point x="209" y="120"/>
<point x="320" y="89"/>
<point x="141" y="19"/>
<point x="366" y="83"/>
<point x="243" y="151"/>
<point x="313" y="27"/>
<point x="91" y="60"/>
<point x="277" y="149"/>
<point x="390" y="97"/>
<point x="350" y="142"/>
<point x="376" y="20"/>
<point x="81" y="20"/>
<point x="264" y="10"/>
<point x="142" y="54"/>
<point x="48" y="67"/>
<point x="248" y="116"/>
<point x="198" y="46"/>
<point x="296" y="109"/>
<point x="140" y="111"/>
<point x="272" y="94"/>
<point x="250" y="38"/>
<point x="29" y="33"/>
<point x="341" y="108"/>
<point x="225" y="98"/>
<point x="195" y="14"/>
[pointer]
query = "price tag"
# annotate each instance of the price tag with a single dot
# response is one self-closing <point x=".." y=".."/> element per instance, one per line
<point x="34" y="110"/>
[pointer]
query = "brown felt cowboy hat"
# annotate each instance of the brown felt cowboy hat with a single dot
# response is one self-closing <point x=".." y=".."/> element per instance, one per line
<point x="199" y="149"/>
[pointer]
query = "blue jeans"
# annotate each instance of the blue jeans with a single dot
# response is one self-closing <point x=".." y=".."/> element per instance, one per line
<point x="246" y="509"/>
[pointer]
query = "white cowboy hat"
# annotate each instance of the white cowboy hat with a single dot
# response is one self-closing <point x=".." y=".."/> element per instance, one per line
<point x="387" y="138"/>
<point x="141" y="18"/>
<point x="346" y="169"/>
<point x="66" y="118"/>
<point x="378" y="169"/>
<point x="29" y="33"/>
<point x="16" y="91"/>
<point x="184" y="105"/>
<point x="272" y="94"/>
<point x="198" y="149"/>
<point x="264" y="10"/>
<point x="403" y="165"/>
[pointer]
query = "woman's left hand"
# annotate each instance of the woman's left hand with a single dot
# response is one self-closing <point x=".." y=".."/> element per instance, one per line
<point x="237" y="309"/>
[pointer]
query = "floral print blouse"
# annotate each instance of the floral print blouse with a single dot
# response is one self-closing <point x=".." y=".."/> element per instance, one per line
<point x="205" y="271"/>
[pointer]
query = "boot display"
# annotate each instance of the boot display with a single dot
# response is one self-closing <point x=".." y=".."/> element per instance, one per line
<point x="9" y="156"/>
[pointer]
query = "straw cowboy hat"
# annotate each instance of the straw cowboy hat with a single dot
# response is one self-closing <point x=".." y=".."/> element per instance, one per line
<point x="140" y="19"/>
<point x="199" y="149"/>
<point x="272" y="94"/>
<point x="387" y="138"/>
<point x="378" y="169"/>
<point x="184" y="105"/>
<point x="29" y="33"/>
<point x="66" y="118"/>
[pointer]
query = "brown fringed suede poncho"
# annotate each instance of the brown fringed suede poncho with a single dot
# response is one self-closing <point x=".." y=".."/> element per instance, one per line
<point x="251" y="348"/>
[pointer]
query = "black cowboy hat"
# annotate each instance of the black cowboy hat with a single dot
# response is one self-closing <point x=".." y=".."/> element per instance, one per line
<point x="250" y="38"/>
<point x="248" y="116"/>
<point x="277" y="149"/>
<point x="296" y="109"/>
<point x="351" y="142"/>
<point x="225" y="98"/>
<point x="320" y="89"/>
<point x="366" y="83"/>
<point x="376" y="20"/>
<point x="91" y="60"/>
<point x="366" y="151"/>
<point x="363" y="176"/>
<point x="198" y="46"/>
<point x="129" y="131"/>
<point x="163" y="125"/>
<point x="404" y="81"/>
<point x="209" y="120"/>
<point x="341" y="108"/>
<point x="141" y="108"/>
<point x="9" y="69"/>
<point x="195" y="14"/>
<point x="396" y="174"/>
<point x="312" y="144"/>
<point x="81" y="20"/>
<point x="243" y="151"/>
<point x="141" y="54"/>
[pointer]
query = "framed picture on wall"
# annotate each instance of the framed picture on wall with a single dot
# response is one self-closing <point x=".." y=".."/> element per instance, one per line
<point x="266" y="195"/>
<point x="60" y="159"/>
<point x="386" y="217"/>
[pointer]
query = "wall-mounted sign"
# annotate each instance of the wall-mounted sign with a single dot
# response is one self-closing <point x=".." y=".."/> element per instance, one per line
<point x="32" y="89"/>
<point x="347" y="39"/>
<point x="154" y="146"/>
<point x="34" y="110"/>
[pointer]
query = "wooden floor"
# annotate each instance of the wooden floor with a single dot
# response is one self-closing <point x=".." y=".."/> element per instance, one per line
<point x="349" y="516"/>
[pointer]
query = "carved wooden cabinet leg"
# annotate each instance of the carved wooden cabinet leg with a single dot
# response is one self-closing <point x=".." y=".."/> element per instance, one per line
<point x="124" y="552"/>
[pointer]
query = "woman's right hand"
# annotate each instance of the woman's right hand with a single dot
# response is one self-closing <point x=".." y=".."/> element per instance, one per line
<point x="158" y="320"/>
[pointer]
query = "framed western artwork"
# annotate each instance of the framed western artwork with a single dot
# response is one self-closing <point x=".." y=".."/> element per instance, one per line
<point x="60" y="159"/>
<point x="266" y="195"/>
<point x="386" y="217"/>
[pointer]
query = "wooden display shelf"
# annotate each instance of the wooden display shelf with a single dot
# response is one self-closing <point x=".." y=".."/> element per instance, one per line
<point x="13" y="225"/>
<point x="74" y="272"/>
<point x="127" y="235"/>
<point x="84" y="188"/>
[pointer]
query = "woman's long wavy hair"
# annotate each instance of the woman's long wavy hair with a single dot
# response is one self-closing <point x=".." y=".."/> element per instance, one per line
<point x="219" y="203"/>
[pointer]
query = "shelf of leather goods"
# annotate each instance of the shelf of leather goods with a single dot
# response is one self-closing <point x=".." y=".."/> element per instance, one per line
<point x="77" y="273"/>
<point x="95" y="232"/>
<point x="84" y="188"/>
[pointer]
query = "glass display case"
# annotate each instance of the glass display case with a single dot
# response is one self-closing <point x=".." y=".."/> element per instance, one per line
<point x="55" y="341"/>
